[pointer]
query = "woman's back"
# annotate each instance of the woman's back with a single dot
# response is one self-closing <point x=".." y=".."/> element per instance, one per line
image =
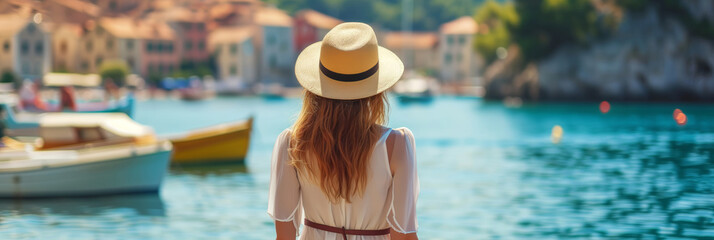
<point x="391" y="178"/>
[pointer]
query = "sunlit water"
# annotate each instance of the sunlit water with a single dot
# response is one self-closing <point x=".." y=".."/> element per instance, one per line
<point x="487" y="172"/>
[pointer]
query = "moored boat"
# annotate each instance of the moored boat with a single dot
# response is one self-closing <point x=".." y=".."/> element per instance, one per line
<point x="23" y="123"/>
<point x="225" y="143"/>
<point x="417" y="89"/>
<point x="82" y="154"/>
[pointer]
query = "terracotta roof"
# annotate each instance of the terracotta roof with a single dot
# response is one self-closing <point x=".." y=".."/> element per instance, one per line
<point x="81" y="6"/>
<point x="397" y="40"/>
<point x="12" y="23"/>
<point x="162" y="4"/>
<point x="179" y="14"/>
<point x="317" y="19"/>
<point x="269" y="16"/>
<point x="137" y="29"/>
<point x="462" y="25"/>
<point x="229" y="35"/>
<point x="221" y="11"/>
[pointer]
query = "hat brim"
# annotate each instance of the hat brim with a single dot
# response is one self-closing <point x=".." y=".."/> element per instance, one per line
<point x="307" y="71"/>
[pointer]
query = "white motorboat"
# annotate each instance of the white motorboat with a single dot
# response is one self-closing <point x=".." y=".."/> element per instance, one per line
<point x="84" y="154"/>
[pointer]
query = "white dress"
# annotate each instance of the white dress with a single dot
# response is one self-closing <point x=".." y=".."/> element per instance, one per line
<point x="389" y="201"/>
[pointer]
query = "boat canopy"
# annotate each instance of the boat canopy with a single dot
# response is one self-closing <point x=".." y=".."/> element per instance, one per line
<point x="71" y="79"/>
<point x="117" y="123"/>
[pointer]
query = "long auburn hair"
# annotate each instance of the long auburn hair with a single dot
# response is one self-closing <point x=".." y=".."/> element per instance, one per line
<point x="332" y="141"/>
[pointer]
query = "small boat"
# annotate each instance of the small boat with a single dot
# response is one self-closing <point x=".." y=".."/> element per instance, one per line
<point x="23" y="123"/>
<point x="196" y="91"/>
<point x="225" y="143"/>
<point x="415" y="90"/>
<point x="84" y="154"/>
<point x="66" y="83"/>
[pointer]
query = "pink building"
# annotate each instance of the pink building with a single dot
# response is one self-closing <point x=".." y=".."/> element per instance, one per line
<point x="190" y="27"/>
<point x="311" y="26"/>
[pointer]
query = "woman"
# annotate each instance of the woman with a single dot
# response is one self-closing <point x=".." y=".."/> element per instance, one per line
<point x="350" y="176"/>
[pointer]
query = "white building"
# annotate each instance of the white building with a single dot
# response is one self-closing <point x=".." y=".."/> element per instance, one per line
<point x="25" y="46"/>
<point x="459" y="62"/>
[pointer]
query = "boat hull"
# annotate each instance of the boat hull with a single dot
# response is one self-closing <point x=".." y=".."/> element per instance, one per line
<point x="222" y="145"/>
<point x="138" y="172"/>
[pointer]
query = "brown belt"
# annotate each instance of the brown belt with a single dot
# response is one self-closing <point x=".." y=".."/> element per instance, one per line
<point x="346" y="232"/>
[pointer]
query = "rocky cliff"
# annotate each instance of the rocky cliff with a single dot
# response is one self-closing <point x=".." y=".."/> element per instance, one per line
<point x="648" y="58"/>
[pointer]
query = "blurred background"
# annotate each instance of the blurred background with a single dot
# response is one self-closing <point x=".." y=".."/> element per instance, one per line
<point x="534" y="119"/>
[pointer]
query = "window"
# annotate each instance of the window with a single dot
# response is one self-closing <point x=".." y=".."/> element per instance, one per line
<point x="39" y="47"/>
<point x="112" y="4"/>
<point x="31" y="28"/>
<point x="6" y="46"/>
<point x="110" y="43"/>
<point x="462" y="40"/>
<point x="200" y="26"/>
<point x="130" y="62"/>
<point x="170" y="47"/>
<point x="99" y="31"/>
<point x="89" y="46"/>
<point x="447" y="58"/>
<point x="234" y="70"/>
<point x="89" y="134"/>
<point x="129" y="44"/>
<point x="450" y="39"/>
<point x="187" y="46"/>
<point x="159" y="47"/>
<point x="271" y="39"/>
<point x="25" y="47"/>
<point x="63" y="47"/>
<point x="201" y="45"/>
<point x="85" y="65"/>
<point x="98" y="61"/>
<point x="234" y="48"/>
<point x="273" y="61"/>
<point x="149" y="47"/>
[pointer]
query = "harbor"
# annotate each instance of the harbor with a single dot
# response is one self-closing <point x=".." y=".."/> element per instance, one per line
<point x="532" y="119"/>
<point x="488" y="170"/>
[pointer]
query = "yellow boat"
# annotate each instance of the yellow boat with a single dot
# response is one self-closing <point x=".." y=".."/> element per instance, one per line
<point x="225" y="143"/>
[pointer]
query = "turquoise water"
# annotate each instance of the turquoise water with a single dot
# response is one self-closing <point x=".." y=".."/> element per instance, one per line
<point x="487" y="172"/>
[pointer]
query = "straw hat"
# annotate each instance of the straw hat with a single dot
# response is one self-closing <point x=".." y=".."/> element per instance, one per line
<point x="348" y="64"/>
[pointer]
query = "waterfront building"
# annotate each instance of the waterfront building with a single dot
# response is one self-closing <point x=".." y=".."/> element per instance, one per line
<point x="416" y="50"/>
<point x="235" y="57"/>
<point x="147" y="46"/>
<point x="25" y="46"/>
<point x="459" y="62"/>
<point x="311" y="26"/>
<point x="276" y="54"/>
<point x="190" y="28"/>
<point x="65" y="47"/>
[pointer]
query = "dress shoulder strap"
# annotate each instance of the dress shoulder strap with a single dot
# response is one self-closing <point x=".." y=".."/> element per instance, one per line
<point x="384" y="136"/>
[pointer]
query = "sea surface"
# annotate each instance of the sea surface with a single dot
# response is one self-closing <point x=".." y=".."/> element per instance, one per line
<point x="487" y="171"/>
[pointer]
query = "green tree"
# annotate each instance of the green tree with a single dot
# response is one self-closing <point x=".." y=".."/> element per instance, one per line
<point x="8" y="76"/>
<point x="116" y="70"/>
<point x="495" y="20"/>
<point x="547" y="24"/>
